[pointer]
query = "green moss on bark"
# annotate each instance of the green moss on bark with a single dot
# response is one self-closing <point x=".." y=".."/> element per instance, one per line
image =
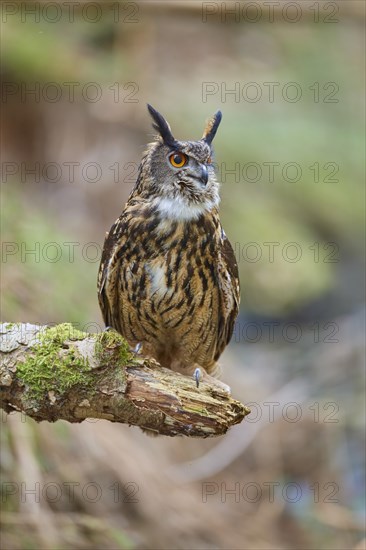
<point x="111" y="346"/>
<point x="54" y="365"/>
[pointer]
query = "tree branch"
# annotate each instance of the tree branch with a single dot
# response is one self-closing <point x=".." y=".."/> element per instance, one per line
<point x="54" y="373"/>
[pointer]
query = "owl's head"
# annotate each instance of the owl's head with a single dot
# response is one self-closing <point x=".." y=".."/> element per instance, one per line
<point x="181" y="178"/>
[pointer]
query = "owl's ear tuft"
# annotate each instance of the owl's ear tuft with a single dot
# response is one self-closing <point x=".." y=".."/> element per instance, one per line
<point x="211" y="127"/>
<point x="162" y="127"/>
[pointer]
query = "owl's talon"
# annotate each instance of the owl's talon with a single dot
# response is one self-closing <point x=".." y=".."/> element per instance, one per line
<point x="136" y="350"/>
<point x="107" y="328"/>
<point x="197" y="375"/>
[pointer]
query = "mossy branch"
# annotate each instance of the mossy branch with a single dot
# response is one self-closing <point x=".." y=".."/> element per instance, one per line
<point x="54" y="373"/>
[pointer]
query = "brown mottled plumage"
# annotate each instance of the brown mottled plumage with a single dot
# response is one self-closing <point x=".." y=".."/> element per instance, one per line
<point x="168" y="278"/>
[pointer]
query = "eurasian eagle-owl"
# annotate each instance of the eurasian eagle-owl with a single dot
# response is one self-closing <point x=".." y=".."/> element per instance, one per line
<point x="168" y="279"/>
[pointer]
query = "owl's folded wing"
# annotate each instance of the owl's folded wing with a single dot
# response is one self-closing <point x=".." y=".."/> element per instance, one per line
<point x="229" y="294"/>
<point x="109" y="269"/>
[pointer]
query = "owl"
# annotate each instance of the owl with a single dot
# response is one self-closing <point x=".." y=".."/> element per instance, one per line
<point x="168" y="279"/>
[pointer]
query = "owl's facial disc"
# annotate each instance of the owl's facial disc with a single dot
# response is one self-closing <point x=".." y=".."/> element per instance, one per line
<point x="188" y="168"/>
<point x="182" y="183"/>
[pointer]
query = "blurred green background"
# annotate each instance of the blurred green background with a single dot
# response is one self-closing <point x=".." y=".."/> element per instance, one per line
<point x="75" y="80"/>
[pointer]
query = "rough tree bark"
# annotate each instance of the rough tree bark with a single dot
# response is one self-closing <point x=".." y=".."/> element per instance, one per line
<point x="54" y="373"/>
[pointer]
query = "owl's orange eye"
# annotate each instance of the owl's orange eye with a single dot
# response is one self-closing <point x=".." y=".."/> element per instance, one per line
<point x="178" y="160"/>
<point x="209" y="160"/>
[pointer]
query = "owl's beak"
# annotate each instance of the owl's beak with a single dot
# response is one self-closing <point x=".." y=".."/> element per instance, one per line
<point x="204" y="174"/>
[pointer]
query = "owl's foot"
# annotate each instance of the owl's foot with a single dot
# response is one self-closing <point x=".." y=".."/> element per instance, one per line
<point x="136" y="350"/>
<point x="201" y="375"/>
<point x="197" y="375"/>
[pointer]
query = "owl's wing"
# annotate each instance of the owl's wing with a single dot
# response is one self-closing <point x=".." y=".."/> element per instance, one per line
<point x="229" y="294"/>
<point x="109" y="269"/>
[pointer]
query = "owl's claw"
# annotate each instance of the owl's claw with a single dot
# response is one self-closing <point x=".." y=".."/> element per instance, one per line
<point x="136" y="350"/>
<point x="197" y="375"/>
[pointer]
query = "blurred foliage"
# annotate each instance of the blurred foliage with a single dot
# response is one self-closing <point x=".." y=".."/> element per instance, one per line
<point x="43" y="271"/>
<point x="307" y="212"/>
<point x="60" y="51"/>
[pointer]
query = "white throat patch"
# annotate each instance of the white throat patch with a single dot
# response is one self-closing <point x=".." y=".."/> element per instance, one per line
<point x="179" y="210"/>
